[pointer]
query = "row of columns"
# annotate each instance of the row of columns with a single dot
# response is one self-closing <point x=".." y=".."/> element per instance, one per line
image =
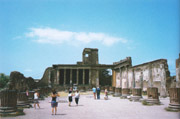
<point x="150" y="82"/>
<point x="71" y="78"/>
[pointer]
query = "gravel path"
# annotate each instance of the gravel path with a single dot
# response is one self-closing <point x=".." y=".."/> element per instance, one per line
<point x="114" y="108"/>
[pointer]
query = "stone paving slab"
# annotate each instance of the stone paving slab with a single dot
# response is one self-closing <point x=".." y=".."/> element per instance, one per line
<point x="114" y="108"/>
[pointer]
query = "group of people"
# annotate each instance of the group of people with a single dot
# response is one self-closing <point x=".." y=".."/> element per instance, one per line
<point x="76" y="95"/>
<point x="96" y="91"/>
<point x="54" y="103"/>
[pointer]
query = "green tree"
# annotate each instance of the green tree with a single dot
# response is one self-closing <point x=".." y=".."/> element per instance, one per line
<point x="105" y="78"/>
<point x="3" y="80"/>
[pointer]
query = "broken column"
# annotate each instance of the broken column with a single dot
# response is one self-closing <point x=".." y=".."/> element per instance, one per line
<point x="117" y="92"/>
<point x="22" y="100"/>
<point x="8" y="102"/>
<point x="174" y="94"/>
<point x="136" y="94"/>
<point x="153" y="97"/>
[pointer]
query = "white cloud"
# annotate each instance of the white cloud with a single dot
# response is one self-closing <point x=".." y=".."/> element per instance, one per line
<point x="28" y="70"/>
<point x="55" y="36"/>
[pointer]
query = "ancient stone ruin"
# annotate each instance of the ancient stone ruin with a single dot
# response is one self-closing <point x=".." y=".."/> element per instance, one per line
<point x="174" y="92"/>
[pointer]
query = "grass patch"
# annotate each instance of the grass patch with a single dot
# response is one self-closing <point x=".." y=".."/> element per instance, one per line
<point x="144" y="102"/>
<point x="171" y="110"/>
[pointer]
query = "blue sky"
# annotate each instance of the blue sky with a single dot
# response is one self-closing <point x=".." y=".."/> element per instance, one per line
<point x="35" y="34"/>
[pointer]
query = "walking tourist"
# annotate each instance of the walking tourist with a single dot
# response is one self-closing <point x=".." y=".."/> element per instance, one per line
<point x="94" y="92"/>
<point x="98" y="93"/>
<point x="106" y="94"/>
<point x="77" y="96"/>
<point x="36" y="101"/>
<point x="70" y="97"/>
<point x="54" y="103"/>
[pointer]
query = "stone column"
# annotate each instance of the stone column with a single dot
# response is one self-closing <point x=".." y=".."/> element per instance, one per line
<point x="141" y="79"/>
<point x="174" y="99"/>
<point x="136" y="94"/>
<point x="23" y="100"/>
<point x="90" y="77"/>
<point x="77" y="73"/>
<point x="83" y="76"/>
<point x="178" y="72"/>
<point x="8" y="102"/>
<point x="127" y="80"/>
<point x="126" y="91"/>
<point x="117" y="92"/>
<point x="97" y="78"/>
<point x="133" y="78"/>
<point x="64" y="76"/>
<point x="57" y="81"/>
<point x="70" y="77"/>
<point x="120" y="76"/>
<point x="163" y="92"/>
<point x="150" y="81"/>
<point x="153" y="97"/>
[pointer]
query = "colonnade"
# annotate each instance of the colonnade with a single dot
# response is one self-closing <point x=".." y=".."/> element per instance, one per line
<point x="66" y="76"/>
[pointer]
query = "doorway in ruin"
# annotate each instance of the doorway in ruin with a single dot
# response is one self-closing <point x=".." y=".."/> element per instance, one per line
<point x="105" y="77"/>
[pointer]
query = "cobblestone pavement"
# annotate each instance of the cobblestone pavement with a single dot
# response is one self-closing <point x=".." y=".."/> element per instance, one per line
<point x="114" y="108"/>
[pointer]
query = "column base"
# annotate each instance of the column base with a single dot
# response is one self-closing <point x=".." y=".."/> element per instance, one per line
<point x="153" y="101"/>
<point x="174" y="107"/>
<point x="135" y="98"/>
<point x="116" y="94"/>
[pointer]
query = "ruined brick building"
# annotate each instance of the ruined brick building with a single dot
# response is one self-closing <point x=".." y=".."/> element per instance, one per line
<point x="124" y="75"/>
<point x="84" y="74"/>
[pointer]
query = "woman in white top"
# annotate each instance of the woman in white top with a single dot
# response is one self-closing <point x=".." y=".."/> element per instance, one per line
<point x="36" y="97"/>
<point x="77" y="96"/>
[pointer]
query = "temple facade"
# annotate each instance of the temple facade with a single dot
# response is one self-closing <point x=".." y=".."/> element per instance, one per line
<point x="124" y="75"/>
<point x="85" y="73"/>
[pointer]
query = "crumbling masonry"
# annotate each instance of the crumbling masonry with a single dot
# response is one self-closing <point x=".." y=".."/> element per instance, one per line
<point x="124" y="75"/>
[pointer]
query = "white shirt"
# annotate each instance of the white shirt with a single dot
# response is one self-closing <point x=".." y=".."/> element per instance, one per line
<point x="77" y="95"/>
<point x="35" y="95"/>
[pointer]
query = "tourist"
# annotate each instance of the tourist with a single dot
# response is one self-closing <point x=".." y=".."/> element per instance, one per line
<point x="70" y="95"/>
<point x="54" y="104"/>
<point x="36" y="97"/>
<point x="98" y="93"/>
<point x="94" y="92"/>
<point x="77" y="96"/>
<point x="106" y="94"/>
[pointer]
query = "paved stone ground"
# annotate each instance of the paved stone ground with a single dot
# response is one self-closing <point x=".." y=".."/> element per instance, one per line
<point x="114" y="108"/>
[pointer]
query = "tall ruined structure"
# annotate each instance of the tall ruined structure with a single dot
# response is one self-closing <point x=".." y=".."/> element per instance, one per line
<point x="85" y="73"/>
<point x="150" y="74"/>
<point x="124" y="75"/>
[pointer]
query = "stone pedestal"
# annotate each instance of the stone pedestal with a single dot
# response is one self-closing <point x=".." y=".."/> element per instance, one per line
<point x="153" y="97"/>
<point x="125" y="92"/>
<point x="8" y="102"/>
<point x="23" y="100"/>
<point x="174" y="94"/>
<point x="136" y="94"/>
<point x="117" y="92"/>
